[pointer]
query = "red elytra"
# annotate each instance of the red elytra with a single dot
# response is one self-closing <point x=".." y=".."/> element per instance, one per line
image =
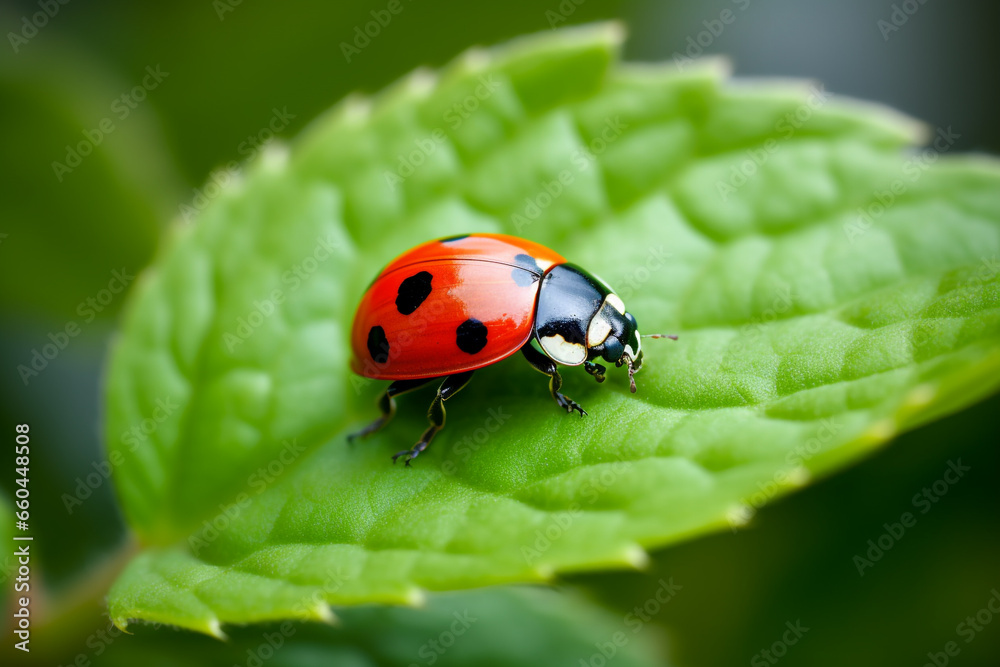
<point x="411" y="320"/>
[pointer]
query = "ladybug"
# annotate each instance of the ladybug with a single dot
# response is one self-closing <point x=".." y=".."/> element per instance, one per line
<point x="451" y="306"/>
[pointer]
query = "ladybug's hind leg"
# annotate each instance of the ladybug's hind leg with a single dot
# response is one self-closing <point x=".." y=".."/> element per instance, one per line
<point x="436" y="414"/>
<point x="387" y="405"/>
<point x="543" y="364"/>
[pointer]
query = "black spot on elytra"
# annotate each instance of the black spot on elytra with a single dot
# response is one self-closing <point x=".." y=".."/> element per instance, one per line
<point x="528" y="271"/>
<point x="528" y="263"/>
<point x="378" y="345"/>
<point x="453" y="239"/>
<point x="412" y="292"/>
<point x="523" y="278"/>
<point x="471" y="336"/>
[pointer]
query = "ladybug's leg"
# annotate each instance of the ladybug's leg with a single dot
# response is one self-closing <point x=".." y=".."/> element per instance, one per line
<point x="436" y="414"/>
<point x="596" y="370"/>
<point x="543" y="364"/>
<point x="387" y="405"/>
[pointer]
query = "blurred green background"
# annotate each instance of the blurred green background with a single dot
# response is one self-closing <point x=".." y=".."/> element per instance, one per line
<point x="226" y="68"/>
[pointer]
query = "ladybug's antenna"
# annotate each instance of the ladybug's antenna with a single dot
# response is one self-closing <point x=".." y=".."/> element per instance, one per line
<point x="632" y="368"/>
<point x="631" y="374"/>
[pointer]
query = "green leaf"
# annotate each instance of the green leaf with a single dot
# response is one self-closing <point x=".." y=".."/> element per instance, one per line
<point x="809" y="333"/>
<point x="489" y="627"/>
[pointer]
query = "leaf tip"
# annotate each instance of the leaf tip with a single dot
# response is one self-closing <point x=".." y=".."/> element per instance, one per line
<point x="739" y="516"/>
<point x="920" y="396"/>
<point x="878" y="432"/>
<point x="635" y="557"/>
<point x="610" y="34"/>
<point x="716" y="66"/>
<point x="322" y="612"/>
<point x="616" y="32"/>
<point x="275" y="156"/>
<point x="905" y="128"/>
<point x="474" y="59"/>
<point x="213" y="628"/>
<point x="799" y="476"/>
<point x="121" y="623"/>
<point x="355" y="109"/>
<point x="415" y="597"/>
<point x="420" y="82"/>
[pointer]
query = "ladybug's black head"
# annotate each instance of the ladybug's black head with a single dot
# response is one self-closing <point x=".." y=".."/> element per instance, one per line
<point x="579" y="318"/>
<point x="613" y="335"/>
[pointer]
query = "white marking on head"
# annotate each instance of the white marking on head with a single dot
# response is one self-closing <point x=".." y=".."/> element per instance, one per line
<point x="629" y="353"/>
<point x="598" y="330"/>
<point x="562" y="351"/>
<point x="616" y="302"/>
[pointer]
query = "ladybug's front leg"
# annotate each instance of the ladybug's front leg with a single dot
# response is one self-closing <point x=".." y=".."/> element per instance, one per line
<point x="387" y="405"/>
<point x="436" y="414"/>
<point x="543" y="364"/>
<point x="596" y="370"/>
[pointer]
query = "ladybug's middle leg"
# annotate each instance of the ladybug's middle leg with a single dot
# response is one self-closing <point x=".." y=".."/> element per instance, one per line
<point x="436" y="414"/>
<point x="387" y="405"/>
<point x="543" y="364"/>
